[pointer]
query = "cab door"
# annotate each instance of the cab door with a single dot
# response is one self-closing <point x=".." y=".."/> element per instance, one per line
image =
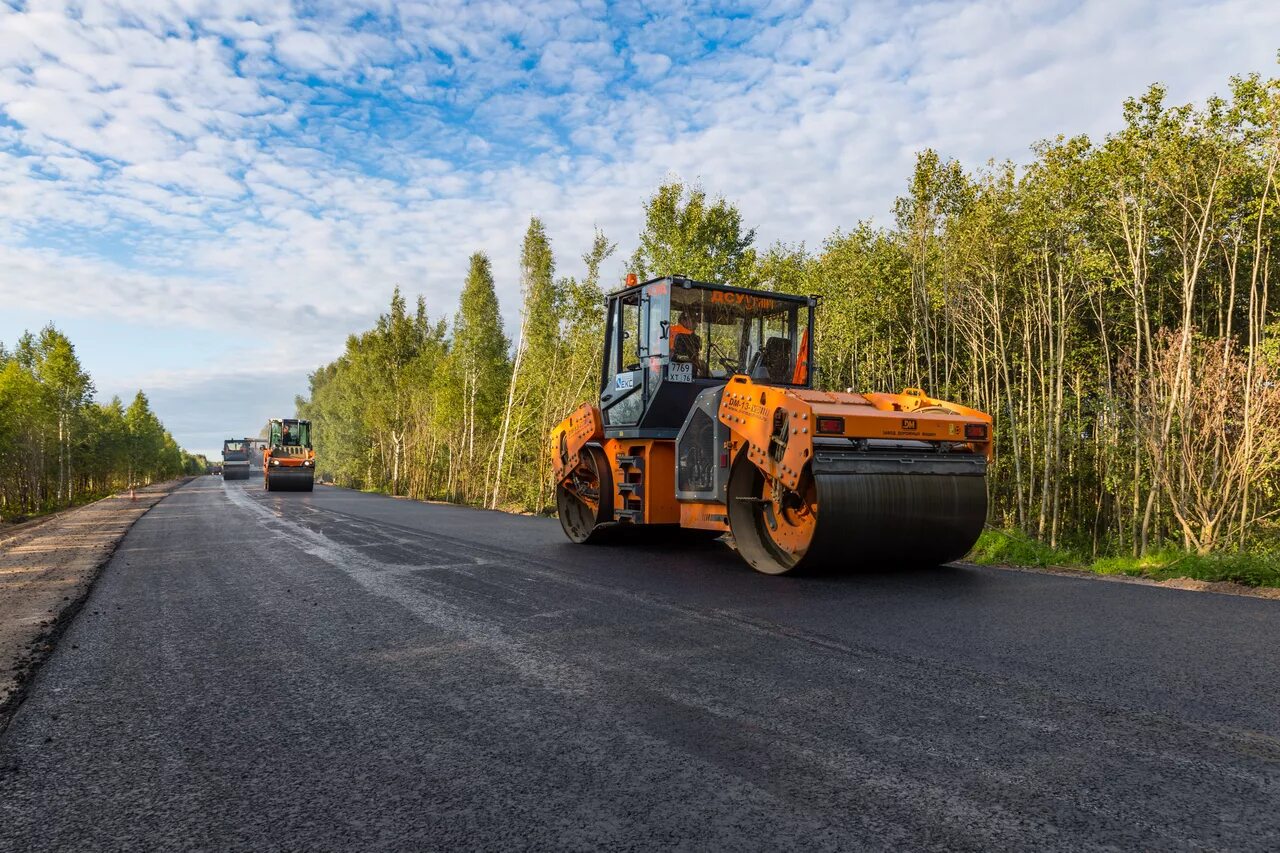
<point x="622" y="393"/>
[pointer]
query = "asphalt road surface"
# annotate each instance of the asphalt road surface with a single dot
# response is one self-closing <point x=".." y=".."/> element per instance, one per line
<point x="337" y="671"/>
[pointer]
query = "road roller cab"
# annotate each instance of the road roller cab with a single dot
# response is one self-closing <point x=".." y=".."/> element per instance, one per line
<point x="288" y="462"/>
<point x="707" y="419"/>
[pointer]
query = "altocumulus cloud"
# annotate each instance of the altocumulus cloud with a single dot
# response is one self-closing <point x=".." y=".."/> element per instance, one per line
<point x="180" y="165"/>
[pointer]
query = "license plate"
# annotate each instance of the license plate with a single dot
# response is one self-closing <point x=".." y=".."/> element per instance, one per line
<point x="679" y="372"/>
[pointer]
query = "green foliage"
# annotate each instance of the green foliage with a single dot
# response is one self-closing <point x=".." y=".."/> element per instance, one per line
<point x="194" y="464"/>
<point x="58" y="446"/>
<point x="527" y="416"/>
<point x="415" y="408"/>
<point x="1269" y="347"/>
<point x="1015" y="548"/>
<point x="366" y="405"/>
<point x="407" y="409"/>
<point x="863" y="282"/>
<point x="684" y="235"/>
<point x="541" y="331"/>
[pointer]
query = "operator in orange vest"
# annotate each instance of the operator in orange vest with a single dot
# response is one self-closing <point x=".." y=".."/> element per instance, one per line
<point x="685" y="342"/>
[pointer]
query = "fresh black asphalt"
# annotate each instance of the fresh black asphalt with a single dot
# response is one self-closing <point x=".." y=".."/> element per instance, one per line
<point x="340" y="671"/>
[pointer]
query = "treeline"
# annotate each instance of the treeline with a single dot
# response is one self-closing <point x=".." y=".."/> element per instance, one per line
<point x="419" y="407"/>
<point x="1109" y="303"/>
<point x="58" y="446"/>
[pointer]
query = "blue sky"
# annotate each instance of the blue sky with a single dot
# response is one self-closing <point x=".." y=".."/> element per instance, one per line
<point x="168" y="169"/>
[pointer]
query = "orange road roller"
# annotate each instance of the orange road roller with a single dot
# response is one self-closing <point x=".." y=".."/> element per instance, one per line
<point x="708" y="419"/>
<point x="288" y="462"/>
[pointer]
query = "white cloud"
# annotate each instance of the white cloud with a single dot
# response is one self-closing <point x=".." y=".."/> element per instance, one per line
<point x="308" y="51"/>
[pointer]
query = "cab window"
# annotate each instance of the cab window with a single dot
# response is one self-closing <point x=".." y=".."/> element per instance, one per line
<point x="629" y="340"/>
<point x="725" y="332"/>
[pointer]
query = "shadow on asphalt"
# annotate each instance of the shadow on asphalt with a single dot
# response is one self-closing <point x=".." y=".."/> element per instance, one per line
<point x="703" y="551"/>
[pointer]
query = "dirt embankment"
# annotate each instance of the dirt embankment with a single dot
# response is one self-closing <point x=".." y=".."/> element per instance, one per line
<point x="46" y="569"/>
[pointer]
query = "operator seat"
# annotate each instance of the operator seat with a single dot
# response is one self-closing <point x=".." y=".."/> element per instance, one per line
<point x="777" y="359"/>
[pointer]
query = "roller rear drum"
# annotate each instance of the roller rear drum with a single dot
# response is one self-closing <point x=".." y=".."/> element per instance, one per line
<point x="883" y="514"/>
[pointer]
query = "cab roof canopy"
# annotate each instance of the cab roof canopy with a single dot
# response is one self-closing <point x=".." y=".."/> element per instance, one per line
<point x="682" y="281"/>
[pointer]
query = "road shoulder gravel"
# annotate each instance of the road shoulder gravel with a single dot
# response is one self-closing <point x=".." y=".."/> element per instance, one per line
<point x="46" y="572"/>
<point x="1185" y="584"/>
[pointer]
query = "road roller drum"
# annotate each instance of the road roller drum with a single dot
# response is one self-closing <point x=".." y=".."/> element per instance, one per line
<point x="861" y="514"/>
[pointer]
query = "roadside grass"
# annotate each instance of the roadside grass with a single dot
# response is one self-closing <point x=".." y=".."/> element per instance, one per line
<point x="1249" y="568"/>
<point x="1014" y="548"/>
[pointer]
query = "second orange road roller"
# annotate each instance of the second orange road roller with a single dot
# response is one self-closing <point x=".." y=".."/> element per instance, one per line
<point x="708" y="419"/>
<point x="288" y="461"/>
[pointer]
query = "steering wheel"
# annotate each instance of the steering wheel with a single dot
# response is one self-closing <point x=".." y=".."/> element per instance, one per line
<point x="727" y="363"/>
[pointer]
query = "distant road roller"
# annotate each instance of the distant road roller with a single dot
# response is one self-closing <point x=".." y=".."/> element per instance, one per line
<point x="708" y="419"/>
<point x="288" y="462"/>
<point x="235" y="459"/>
